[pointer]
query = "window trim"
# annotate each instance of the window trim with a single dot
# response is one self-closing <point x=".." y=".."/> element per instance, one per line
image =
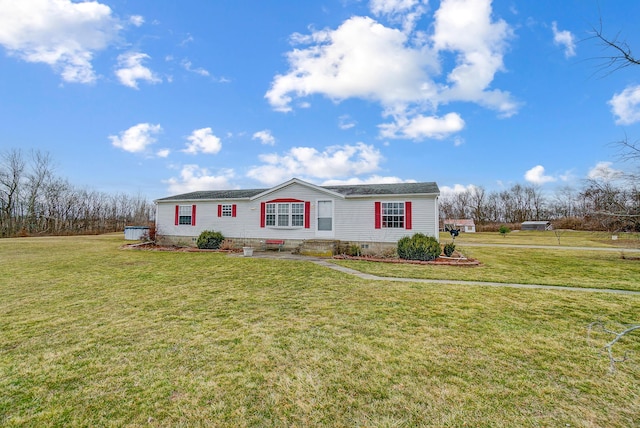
<point x="272" y="214"/>
<point x="398" y="221"/>
<point x="181" y="216"/>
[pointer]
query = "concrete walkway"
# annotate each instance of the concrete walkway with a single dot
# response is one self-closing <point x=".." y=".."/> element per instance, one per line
<point x="369" y="277"/>
<point x="551" y="247"/>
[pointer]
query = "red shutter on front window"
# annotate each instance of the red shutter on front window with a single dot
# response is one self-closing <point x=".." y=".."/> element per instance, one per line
<point x="193" y="215"/>
<point x="177" y="214"/>
<point x="219" y="210"/>
<point x="378" y="209"/>
<point x="233" y="210"/>
<point x="307" y="213"/>
<point x="407" y="215"/>
<point x="262" y="213"/>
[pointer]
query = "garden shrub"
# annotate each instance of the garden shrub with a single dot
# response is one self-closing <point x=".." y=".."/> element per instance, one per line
<point x="504" y="230"/>
<point x="449" y="249"/>
<point x="209" y="240"/>
<point x="418" y="247"/>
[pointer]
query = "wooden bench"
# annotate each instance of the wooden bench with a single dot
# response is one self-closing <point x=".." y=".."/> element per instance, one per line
<point x="273" y="243"/>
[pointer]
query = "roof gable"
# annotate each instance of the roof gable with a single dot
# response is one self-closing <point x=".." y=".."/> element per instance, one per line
<point x="294" y="181"/>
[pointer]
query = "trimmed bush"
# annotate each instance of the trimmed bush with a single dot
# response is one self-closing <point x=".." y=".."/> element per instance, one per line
<point x="504" y="230"/>
<point x="418" y="247"/>
<point x="449" y="249"/>
<point x="209" y="240"/>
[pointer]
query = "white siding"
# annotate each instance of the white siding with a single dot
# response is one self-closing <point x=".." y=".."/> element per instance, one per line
<point x="355" y="219"/>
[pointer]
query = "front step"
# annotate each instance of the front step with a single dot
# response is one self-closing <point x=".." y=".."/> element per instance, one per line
<point x="318" y="247"/>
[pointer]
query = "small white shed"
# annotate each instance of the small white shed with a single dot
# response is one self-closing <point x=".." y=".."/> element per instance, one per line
<point x="135" y="233"/>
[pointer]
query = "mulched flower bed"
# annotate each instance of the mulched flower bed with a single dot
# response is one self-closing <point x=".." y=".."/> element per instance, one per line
<point x="456" y="260"/>
<point x="440" y="261"/>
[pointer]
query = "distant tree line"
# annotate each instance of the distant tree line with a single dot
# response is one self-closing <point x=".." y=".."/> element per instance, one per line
<point x="35" y="201"/>
<point x="600" y="204"/>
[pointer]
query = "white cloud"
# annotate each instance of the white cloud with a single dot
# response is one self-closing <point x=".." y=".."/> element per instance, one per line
<point x="193" y="178"/>
<point x="398" y="68"/>
<point x="374" y="179"/>
<point x="137" y="138"/>
<point x="392" y="7"/>
<point x="408" y="12"/>
<point x="346" y="122"/>
<point x="265" y="137"/>
<point x="131" y="70"/>
<point x="203" y="141"/>
<point x="604" y="171"/>
<point x="446" y="191"/>
<point x="187" y="65"/>
<point x="136" y="20"/>
<point x="308" y="162"/>
<point x="60" y="33"/>
<point x="564" y="38"/>
<point x="536" y="176"/>
<point x="360" y="59"/>
<point x="466" y="28"/>
<point x="420" y="127"/>
<point x="626" y="105"/>
<point x="163" y="153"/>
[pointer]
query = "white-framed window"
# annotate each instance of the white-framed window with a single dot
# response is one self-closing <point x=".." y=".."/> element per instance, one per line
<point x="325" y="216"/>
<point x="284" y="214"/>
<point x="184" y="214"/>
<point x="270" y="219"/>
<point x="393" y="214"/>
<point x="227" y="210"/>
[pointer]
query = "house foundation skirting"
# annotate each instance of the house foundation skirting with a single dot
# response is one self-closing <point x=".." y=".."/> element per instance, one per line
<point x="316" y="247"/>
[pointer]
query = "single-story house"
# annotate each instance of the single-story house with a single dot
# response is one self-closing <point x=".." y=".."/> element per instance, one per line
<point x="296" y="211"/>
<point x="464" y="225"/>
<point x="536" y="225"/>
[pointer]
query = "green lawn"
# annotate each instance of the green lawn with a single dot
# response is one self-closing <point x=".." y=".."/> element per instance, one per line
<point x="97" y="336"/>
<point x="568" y="238"/>
<point x="574" y="268"/>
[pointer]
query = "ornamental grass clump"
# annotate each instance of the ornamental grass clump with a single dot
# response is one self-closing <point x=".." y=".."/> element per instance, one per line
<point x="418" y="247"/>
<point x="209" y="240"/>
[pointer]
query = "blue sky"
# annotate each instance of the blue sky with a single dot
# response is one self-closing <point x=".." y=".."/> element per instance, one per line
<point x="166" y="97"/>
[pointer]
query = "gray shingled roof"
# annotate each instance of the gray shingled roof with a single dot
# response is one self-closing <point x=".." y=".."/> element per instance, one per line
<point x="346" y="190"/>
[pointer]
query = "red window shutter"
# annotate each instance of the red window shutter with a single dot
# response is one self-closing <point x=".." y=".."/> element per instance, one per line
<point x="177" y="214"/>
<point x="378" y="213"/>
<point x="193" y="215"/>
<point x="407" y="215"/>
<point x="219" y="210"/>
<point x="307" y="213"/>
<point x="263" y="212"/>
<point x="233" y="210"/>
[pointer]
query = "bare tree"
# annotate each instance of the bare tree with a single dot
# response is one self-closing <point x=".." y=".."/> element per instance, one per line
<point x="619" y="53"/>
<point x="12" y="165"/>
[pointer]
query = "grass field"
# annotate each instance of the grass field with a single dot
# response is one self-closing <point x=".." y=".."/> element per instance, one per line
<point x="586" y="269"/>
<point x="93" y="335"/>
<point x="567" y="238"/>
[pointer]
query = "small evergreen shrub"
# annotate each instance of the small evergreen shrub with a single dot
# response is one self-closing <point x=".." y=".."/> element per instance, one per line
<point x="354" y="250"/>
<point x="418" y="247"/>
<point x="504" y="230"/>
<point x="449" y="249"/>
<point x="209" y="240"/>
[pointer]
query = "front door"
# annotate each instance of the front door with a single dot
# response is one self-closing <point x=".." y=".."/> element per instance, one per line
<point x="325" y="219"/>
